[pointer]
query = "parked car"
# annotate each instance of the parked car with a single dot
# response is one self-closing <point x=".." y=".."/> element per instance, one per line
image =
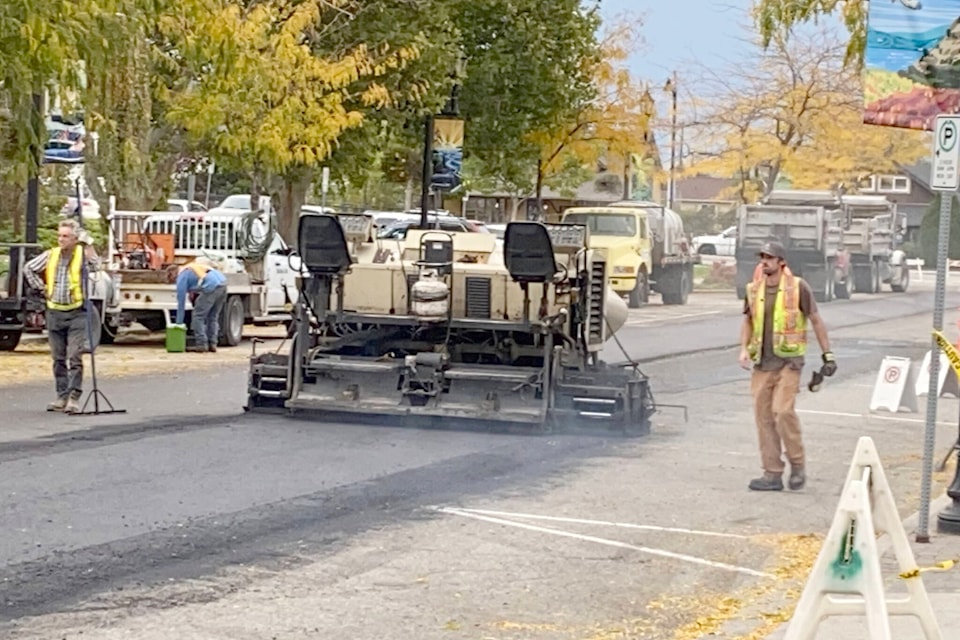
<point x="240" y="202"/>
<point x="722" y="244"/>
<point x="497" y="229"/>
<point x="315" y="208"/>
<point x="183" y="206"/>
<point x="398" y="230"/>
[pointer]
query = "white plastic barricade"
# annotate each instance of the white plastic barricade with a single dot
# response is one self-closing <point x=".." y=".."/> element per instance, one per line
<point x="846" y="579"/>
<point x="894" y="388"/>
<point x="946" y="378"/>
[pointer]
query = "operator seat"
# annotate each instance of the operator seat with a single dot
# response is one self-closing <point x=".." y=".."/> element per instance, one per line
<point x="322" y="245"/>
<point x="528" y="252"/>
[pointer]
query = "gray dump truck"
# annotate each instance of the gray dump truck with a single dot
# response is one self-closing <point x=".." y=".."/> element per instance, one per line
<point x="839" y="243"/>
<point x="811" y="233"/>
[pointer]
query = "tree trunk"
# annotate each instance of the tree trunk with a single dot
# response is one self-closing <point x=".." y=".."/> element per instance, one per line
<point x="293" y="193"/>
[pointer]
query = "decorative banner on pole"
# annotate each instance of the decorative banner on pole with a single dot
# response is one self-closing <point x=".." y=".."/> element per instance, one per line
<point x="911" y="64"/>
<point x="447" y="153"/>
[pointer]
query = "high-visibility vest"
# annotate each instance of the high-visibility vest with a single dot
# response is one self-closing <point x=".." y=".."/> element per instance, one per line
<point x="75" y="275"/>
<point x="199" y="269"/>
<point x="789" y="323"/>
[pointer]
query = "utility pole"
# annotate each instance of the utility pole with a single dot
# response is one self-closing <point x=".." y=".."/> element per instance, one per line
<point x="33" y="183"/>
<point x="671" y="87"/>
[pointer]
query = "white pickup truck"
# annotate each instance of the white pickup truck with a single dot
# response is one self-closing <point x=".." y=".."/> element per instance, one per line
<point x="722" y="244"/>
<point x="148" y="248"/>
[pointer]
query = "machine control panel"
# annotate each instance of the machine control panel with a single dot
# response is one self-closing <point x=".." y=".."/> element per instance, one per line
<point x="355" y="226"/>
<point x="567" y="238"/>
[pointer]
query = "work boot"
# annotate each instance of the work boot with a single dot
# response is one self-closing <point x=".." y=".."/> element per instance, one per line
<point x="197" y="348"/>
<point x="797" y="478"/>
<point x="73" y="405"/>
<point x="767" y="482"/>
<point x="58" y="404"/>
<point x="212" y="348"/>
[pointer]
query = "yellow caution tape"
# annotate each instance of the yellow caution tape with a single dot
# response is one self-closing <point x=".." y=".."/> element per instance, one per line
<point x="939" y="566"/>
<point x="952" y="354"/>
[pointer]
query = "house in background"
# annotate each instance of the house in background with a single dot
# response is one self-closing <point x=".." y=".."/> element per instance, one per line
<point x="910" y="189"/>
<point x="705" y="203"/>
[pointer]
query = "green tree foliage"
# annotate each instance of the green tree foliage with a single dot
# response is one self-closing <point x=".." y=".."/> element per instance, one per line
<point x="777" y="17"/>
<point x="529" y="67"/>
<point x="133" y="78"/>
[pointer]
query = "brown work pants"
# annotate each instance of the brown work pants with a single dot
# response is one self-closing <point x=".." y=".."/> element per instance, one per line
<point x="778" y="427"/>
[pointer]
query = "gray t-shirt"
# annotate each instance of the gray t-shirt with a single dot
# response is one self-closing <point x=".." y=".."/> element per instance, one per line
<point x="808" y="307"/>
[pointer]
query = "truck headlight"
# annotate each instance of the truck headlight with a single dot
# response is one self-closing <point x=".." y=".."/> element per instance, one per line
<point x="623" y="271"/>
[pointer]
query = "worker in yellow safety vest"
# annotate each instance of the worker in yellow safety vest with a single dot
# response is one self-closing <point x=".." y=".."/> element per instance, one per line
<point x="207" y="288"/>
<point x="773" y="341"/>
<point x="62" y="270"/>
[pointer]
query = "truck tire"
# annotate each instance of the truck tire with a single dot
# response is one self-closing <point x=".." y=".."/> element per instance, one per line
<point x="903" y="283"/>
<point x="677" y="286"/>
<point x="842" y="289"/>
<point x="866" y="278"/>
<point x="231" y="322"/>
<point x="707" y="250"/>
<point x="9" y="339"/>
<point x="640" y="294"/>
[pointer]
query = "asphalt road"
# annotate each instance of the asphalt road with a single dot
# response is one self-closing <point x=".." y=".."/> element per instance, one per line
<point x="252" y="526"/>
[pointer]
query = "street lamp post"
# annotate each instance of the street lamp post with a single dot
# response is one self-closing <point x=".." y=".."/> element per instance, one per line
<point x="671" y="87"/>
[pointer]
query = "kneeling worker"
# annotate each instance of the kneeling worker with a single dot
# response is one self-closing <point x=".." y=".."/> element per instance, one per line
<point x="774" y="341"/>
<point x="208" y="291"/>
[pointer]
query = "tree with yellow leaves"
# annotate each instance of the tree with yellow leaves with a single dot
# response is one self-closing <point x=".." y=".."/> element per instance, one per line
<point x="796" y="115"/>
<point x="610" y="128"/>
<point x="263" y="101"/>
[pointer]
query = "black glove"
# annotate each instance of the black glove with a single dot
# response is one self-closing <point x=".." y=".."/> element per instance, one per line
<point x="829" y="364"/>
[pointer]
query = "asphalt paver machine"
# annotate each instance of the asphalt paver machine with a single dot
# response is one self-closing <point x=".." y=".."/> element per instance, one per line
<point x="453" y="330"/>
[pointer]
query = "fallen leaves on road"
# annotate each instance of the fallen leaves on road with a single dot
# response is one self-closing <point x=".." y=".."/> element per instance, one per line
<point x="762" y="608"/>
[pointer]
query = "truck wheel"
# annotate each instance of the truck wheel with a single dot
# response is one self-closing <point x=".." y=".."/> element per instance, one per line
<point x="231" y="322"/>
<point x="904" y="282"/>
<point x="640" y="294"/>
<point x="9" y="339"/>
<point x="864" y="279"/>
<point x="707" y="250"/>
<point x="842" y="290"/>
<point x="677" y="286"/>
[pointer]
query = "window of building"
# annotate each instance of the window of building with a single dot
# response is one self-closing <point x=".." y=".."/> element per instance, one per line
<point x="887" y="184"/>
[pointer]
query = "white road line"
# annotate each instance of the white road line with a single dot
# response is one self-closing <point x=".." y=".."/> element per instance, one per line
<point x="841" y="414"/>
<point x="660" y="319"/>
<point x="609" y="543"/>
<point x="605" y="523"/>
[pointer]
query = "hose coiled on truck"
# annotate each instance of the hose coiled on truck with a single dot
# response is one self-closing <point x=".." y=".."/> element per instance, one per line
<point x="251" y="247"/>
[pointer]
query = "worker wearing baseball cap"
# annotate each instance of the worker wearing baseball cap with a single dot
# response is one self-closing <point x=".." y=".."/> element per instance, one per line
<point x="773" y="339"/>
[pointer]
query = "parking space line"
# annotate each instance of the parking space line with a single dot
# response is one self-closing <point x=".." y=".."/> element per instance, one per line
<point x="610" y="543"/>
<point x="661" y="319"/>
<point x="870" y="416"/>
<point x="604" y="523"/>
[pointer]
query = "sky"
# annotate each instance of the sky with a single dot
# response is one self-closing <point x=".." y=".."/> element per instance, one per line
<point x="678" y="32"/>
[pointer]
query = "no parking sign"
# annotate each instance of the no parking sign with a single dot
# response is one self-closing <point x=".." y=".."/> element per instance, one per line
<point x="891" y="389"/>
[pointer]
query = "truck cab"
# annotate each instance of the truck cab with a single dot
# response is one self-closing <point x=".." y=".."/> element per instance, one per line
<point x="644" y="246"/>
